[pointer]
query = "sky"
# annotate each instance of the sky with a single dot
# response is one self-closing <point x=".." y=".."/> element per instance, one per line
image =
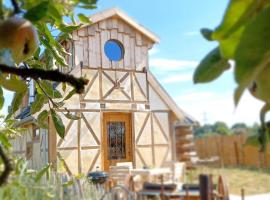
<point x="177" y="23"/>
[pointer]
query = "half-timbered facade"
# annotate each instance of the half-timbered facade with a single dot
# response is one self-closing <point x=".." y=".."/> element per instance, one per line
<point x="125" y="114"/>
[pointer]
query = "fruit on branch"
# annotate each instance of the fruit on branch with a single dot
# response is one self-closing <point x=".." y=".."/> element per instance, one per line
<point x="20" y="36"/>
<point x="260" y="88"/>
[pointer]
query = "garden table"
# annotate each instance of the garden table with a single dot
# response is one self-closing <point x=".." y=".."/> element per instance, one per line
<point x="150" y="175"/>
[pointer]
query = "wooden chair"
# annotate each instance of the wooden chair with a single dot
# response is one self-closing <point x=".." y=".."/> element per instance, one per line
<point x="222" y="189"/>
<point x="178" y="171"/>
<point x="118" y="174"/>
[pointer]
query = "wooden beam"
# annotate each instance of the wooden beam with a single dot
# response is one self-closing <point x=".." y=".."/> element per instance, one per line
<point x="52" y="155"/>
<point x="118" y="69"/>
<point x="90" y="129"/>
<point x="142" y="127"/>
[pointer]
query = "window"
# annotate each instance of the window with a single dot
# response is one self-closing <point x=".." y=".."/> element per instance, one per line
<point x="114" y="50"/>
<point x="116" y="138"/>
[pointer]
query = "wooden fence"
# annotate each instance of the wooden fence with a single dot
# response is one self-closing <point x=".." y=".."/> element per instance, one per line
<point x="232" y="151"/>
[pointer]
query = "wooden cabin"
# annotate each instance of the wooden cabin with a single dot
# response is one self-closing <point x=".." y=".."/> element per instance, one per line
<point x="125" y="114"/>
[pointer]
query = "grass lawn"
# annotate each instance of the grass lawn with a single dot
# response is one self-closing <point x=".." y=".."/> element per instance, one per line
<point x="253" y="181"/>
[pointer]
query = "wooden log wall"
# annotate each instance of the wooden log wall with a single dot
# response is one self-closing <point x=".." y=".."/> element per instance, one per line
<point x="232" y="151"/>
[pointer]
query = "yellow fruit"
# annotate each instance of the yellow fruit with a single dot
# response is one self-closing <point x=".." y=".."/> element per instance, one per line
<point x="260" y="88"/>
<point x="20" y="36"/>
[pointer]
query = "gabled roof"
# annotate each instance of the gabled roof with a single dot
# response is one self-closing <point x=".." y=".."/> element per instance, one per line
<point x="111" y="12"/>
<point x="182" y="116"/>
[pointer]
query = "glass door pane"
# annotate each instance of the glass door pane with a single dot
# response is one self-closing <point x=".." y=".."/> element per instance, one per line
<point x="116" y="140"/>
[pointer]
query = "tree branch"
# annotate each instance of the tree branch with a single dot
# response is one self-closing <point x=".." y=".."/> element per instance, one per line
<point x="7" y="169"/>
<point x="52" y="75"/>
<point x="15" y="6"/>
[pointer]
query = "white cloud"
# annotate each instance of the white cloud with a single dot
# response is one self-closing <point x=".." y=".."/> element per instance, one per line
<point x="209" y="107"/>
<point x="164" y="64"/>
<point x="177" y="78"/>
<point x="192" y="33"/>
<point x="153" y="51"/>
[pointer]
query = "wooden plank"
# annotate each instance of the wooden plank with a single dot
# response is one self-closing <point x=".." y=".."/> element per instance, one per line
<point x="91" y="30"/>
<point x="109" y="23"/>
<point x="138" y="58"/>
<point x="91" y="52"/>
<point x="121" y="26"/>
<point x="102" y="25"/>
<point x="144" y="56"/>
<point x="152" y="140"/>
<point x="114" y="23"/>
<point x="118" y="70"/>
<point x="85" y="51"/>
<point x="104" y="36"/>
<point x="79" y="145"/>
<point x="82" y="32"/>
<point x="120" y="39"/>
<point x="113" y="35"/>
<point x="98" y="50"/>
<point x="52" y="155"/>
<point x="75" y="36"/>
<point x="132" y="53"/>
<point x="126" y="43"/>
<point x="138" y="36"/>
<point x="78" y="52"/>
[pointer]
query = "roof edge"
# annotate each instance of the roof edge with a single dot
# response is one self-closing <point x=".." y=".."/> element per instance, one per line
<point x="115" y="11"/>
<point x="181" y="115"/>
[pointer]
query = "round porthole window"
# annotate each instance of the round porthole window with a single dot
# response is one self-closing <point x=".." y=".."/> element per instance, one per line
<point x="114" y="50"/>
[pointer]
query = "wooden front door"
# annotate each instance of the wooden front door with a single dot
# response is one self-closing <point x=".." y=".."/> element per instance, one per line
<point x="117" y="138"/>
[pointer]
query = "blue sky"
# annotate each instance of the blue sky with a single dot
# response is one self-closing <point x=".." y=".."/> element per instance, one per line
<point x="177" y="23"/>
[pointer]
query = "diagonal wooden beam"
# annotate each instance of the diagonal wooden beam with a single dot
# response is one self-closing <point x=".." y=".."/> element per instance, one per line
<point x="90" y="84"/>
<point x="142" y="128"/>
<point x="65" y="164"/>
<point x="94" y="161"/>
<point x="108" y="77"/>
<point x="67" y="129"/>
<point x="140" y="88"/>
<point x="140" y="156"/>
<point x="160" y="127"/>
<point x="91" y="130"/>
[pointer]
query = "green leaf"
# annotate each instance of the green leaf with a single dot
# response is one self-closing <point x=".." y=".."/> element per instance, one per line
<point x="55" y="13"/>
<point x="37" y="12"/>
<point x="69" y="28"/>
<point x="42" y="119"/>
<point x="236" y="18"/>
<point x="2" y="98"/>
<point x="211" y="67"/>
<point x="70" y="94"/>
<point x="207" y="33"/>
<point x="83" y="18"/>
<point x="233" y="13"/>
<point x="59" y="126"/>
<point x="48" y="88"/>
<point x="13" y="83"/>
<point x="52" y="49"/>
<point x="42" y="172"/>
<point x="68" y="183"/>
<point x="252" y="54"/>
<point x="40" y="100"/>
<point x="4" y="141"/>
<point x="15" y="104"/>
